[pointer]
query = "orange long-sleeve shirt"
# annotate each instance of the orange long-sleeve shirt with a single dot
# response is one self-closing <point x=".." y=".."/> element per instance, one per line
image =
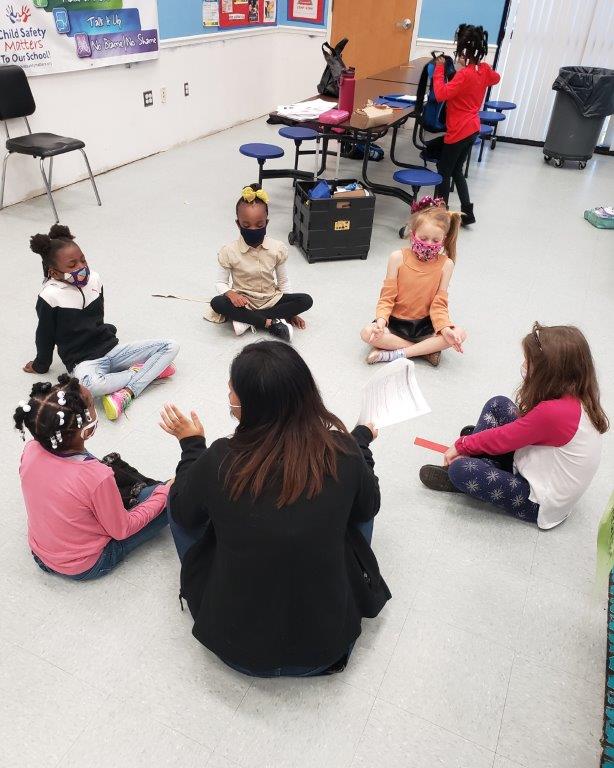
<point x="415" y="292"/>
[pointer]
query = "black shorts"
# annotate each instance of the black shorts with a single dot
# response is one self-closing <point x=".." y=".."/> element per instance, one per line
<point x="411" y="330"/>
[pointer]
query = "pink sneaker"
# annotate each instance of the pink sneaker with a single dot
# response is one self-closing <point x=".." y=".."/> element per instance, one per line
<point x="169" y="371"/>
<point x="116" y="403"/>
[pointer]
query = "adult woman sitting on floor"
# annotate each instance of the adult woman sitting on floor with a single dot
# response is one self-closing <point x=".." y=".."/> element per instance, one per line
<point x="273" y="524"/>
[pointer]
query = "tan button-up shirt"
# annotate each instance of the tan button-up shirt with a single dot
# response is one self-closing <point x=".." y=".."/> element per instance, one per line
<point x="253" y="271"/>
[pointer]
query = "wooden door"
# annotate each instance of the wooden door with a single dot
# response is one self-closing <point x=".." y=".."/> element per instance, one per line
<point x="378" y="39"/>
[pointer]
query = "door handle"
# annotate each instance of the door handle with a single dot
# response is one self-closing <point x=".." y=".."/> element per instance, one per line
<point x="405" y="24"/>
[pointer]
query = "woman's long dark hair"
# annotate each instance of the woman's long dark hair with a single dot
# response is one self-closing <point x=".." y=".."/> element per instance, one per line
<point x="285" y="434"/>
<point x="559" y="363"/>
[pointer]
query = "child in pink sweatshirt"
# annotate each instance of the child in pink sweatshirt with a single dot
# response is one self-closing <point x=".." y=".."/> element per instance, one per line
<point x="77" y="523"/>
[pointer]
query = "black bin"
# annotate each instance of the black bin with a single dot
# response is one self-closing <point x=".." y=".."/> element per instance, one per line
<point x="331" y="229"/>
<point x="584" y="98"/>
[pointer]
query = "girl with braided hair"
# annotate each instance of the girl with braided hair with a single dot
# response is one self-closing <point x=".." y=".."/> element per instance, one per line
<point x="77" y="523"/>
<point x="464" y="95"/>
<point x="70" y="311"/>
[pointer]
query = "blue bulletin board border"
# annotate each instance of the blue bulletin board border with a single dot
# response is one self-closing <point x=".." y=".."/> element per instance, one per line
<point x="183" y="18"/>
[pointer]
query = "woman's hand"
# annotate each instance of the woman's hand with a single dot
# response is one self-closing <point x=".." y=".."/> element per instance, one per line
<point x="377" y="330"/>
<point x="28" y="367"/>
<point x="450" y="455"/>
<point x="237" y="299"/>
<point x="298" y="322"/>
<point x="455" y="337"/>
<point x="180" y="426"/>
<point x="440" y="60"/>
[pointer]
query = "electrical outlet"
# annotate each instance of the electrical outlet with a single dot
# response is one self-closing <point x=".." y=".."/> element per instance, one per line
<point x="186" y="89"/>
<point x="163" y="95"/>
<point x="148" y="98"/>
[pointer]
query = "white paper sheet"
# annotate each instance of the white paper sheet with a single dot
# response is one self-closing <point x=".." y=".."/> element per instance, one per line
<point x="305" y="110"/>
<point x="392" y="395"/>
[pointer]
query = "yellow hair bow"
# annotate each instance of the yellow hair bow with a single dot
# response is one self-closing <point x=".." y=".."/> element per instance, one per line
<point x="249" y="195"/>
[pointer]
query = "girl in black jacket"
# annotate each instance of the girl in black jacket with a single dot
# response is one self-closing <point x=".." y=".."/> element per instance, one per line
<point x="273" y="524"/>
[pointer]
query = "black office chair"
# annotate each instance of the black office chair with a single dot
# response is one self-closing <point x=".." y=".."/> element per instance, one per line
<point x="16" y="101"/>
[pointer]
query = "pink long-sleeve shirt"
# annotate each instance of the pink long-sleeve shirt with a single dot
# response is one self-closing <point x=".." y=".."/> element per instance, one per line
<point x="74" y="509"/>
<point x="556" y="448"/>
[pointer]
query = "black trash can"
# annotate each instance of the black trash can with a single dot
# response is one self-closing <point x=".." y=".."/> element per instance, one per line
<point x="585" y="97"/>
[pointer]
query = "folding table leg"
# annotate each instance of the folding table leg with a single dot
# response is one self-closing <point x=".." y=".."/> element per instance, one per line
<point x="316" y="170"/>
<point x="338" y="160"/>
<point x="6" y="157"/>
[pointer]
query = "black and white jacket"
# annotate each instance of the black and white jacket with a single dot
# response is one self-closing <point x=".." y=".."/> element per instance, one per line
<point x="72" y="319"/>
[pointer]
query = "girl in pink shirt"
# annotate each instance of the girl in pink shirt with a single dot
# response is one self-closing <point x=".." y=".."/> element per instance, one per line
<point x="536" y="457"/>
<point x="77" y="523"/>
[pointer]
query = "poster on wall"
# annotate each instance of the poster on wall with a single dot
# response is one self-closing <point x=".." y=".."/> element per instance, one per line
<point x="306" y="10"/>
<point x="211" y="13"/>
<point x="50" y="36"/>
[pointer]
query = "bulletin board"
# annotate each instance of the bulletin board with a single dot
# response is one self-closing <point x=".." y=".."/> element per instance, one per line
<point x="194" y="18"/>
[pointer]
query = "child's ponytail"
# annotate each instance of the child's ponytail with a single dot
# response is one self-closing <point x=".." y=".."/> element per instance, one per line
<point x="452" y="236"/>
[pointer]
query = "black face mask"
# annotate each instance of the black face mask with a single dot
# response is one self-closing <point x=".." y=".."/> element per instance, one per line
<point x="253" y="237"/>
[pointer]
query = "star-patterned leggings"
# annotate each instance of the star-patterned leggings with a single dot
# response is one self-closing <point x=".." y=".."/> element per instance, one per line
<point x="492" y="478"/>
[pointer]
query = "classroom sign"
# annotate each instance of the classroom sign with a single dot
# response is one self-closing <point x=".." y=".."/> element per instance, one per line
<point x="50" y="36"/>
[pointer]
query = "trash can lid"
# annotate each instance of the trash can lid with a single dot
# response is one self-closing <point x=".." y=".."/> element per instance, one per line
<point x="591" y="88"/>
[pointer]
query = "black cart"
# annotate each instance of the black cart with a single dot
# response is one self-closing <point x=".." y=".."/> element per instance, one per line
<point x="333" y="228"/>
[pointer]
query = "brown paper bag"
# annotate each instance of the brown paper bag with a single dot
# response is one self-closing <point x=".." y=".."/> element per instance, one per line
<point x="371" y="115"/>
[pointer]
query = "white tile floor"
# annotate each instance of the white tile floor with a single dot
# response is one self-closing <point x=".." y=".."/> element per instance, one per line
<point x="491" y="653"/>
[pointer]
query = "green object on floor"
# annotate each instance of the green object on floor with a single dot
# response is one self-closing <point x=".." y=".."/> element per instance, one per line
<point x="601" y="222"/>
<point x="605" y="545"/>
<point x="607" y="756"/>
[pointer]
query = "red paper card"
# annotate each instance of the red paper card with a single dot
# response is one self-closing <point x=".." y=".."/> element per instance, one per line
<point x="430" y="445"/>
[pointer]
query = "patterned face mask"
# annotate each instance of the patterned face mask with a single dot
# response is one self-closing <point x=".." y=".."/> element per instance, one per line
<point x="423" y="250"/>
<point x="79" y="277"/>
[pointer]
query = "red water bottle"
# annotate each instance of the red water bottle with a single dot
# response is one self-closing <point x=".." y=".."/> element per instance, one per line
<point x="347" y="86"/>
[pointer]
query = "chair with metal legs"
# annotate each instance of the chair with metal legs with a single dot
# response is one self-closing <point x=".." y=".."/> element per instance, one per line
<point x="16" y="101"/>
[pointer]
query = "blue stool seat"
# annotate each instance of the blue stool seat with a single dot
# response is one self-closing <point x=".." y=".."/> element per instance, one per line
<point x="486" y="131"/>
<point x="298" y="134"/>
<point x="418" y="177"/>
<point x="500" y="105"/>
<point x="261" y="151"/>
<point x="491" y="117"/>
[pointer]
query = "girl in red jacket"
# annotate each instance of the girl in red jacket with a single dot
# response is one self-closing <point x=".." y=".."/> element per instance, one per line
<point x="463" y="95"/>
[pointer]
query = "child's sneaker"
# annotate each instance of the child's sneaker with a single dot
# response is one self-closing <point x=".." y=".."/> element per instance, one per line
<point x="240" y="328"/>
<point x="116" y="403"/>
<point x="169" y="371"/>
<point x="279" y="329"/>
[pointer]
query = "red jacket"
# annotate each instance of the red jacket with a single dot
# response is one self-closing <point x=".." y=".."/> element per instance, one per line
<point x="464" y="95"/>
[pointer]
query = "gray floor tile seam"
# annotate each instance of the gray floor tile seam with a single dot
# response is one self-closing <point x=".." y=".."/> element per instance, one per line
<point x="457" y="734"/>
<point x="518" y="655"/>
<point x="82" y="731"/>
<point x="479" y="635"/>
<point x="507" y="690"/>
<point x="566" y="585"/>
<point x="359" y="739"/>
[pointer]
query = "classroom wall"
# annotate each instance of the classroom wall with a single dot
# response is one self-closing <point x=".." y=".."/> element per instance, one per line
<point x="440" y="18"/>
<point x="104" y="107"/>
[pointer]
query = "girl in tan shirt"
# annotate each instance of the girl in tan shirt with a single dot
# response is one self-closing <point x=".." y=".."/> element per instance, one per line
<point x="252" y="284"/>
<point x="412" y="312"/>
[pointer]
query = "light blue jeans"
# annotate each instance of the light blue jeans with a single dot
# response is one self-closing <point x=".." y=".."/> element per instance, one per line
<point x="112" y="372"/>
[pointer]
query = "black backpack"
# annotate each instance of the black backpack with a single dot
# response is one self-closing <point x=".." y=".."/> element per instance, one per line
<point x="329" y="82"/>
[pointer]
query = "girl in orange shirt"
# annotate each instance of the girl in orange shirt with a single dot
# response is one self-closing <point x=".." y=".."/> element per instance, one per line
<point x="411" y="319"/>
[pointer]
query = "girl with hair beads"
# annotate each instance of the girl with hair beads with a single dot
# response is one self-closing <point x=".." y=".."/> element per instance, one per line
<point x="77" y="523"/>
<point x="411" y="317"/>
<point x="252" y="282"/>
<point x="536" y="457"/>
<point x="70" y="311"/>
<point x="464" y="95"/>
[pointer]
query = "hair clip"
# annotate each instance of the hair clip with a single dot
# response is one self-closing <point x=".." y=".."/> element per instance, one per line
<point x="54" y="442"/>
<point x="79" y="421"/>
<point x="25" y="407"/>
<point x="249" y="195"/>
<point x="61" y="418"/>
<point x="427" y="202"/>
<point x="61" y="397"/>
<point x="88" y="415"/>
<point x="58" y="437"/>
